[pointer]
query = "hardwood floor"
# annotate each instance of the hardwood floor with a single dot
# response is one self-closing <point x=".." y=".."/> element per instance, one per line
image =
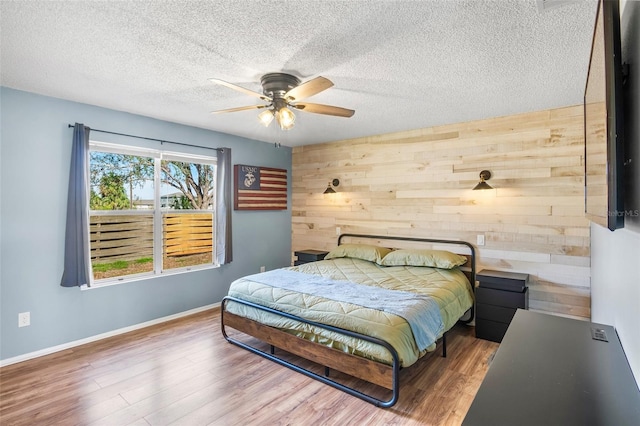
<point x="183" y="372"/>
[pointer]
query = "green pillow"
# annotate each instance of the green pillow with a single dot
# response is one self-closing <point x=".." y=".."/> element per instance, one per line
<point x="359" y="251"/>
<point x="433" y="258"/>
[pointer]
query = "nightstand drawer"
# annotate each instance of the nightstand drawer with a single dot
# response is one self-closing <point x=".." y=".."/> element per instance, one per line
<point x="306" y="256"/>
<point x="311" y="255"/>
<point x="490" y="330"/>
<point x="507" y="299"/>
<point x="500" y="280"/>
<point x="495" y="313"/>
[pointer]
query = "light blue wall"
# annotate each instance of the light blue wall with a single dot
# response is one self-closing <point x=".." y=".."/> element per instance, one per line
<point x="35" y="154"/>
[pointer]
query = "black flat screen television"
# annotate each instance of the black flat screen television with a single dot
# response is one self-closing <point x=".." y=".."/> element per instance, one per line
<point x="603" y="121"/>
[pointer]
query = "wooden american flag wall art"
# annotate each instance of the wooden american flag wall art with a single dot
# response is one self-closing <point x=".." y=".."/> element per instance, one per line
<point x="259" y="188"/>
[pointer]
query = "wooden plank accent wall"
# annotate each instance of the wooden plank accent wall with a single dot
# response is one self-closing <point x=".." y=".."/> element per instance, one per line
<point x="419" y="183"/>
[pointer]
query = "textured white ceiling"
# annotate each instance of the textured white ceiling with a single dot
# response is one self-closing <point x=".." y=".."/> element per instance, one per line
<point x="400" y="64"/>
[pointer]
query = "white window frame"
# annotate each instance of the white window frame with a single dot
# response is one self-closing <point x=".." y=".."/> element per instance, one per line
<point x="157" y="212"/>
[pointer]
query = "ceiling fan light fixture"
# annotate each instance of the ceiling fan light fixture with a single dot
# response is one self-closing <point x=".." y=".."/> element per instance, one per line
<point x="285" y="118"/>
<point x="282" y="93"/>
<point x="266" y="117"/>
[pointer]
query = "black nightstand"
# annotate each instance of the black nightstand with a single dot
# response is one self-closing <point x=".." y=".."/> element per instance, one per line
<point x="306" y="256"/>
<point x="498" y="297"/>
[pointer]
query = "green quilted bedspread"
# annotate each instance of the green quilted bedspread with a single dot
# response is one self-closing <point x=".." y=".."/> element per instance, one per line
<point x="449" y="288"/>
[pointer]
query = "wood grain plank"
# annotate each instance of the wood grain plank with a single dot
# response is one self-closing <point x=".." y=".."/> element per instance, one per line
<point x="419" y="183"/>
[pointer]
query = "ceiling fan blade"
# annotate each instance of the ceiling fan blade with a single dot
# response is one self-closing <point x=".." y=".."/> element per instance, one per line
<point x="240" y="89"/>
<point x="308" y="88"/>
<point x="244" y="108"/>
<point x="325" y="109"/>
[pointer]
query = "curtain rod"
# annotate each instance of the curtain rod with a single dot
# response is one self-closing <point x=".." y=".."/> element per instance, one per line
<point x="151" y="139"/>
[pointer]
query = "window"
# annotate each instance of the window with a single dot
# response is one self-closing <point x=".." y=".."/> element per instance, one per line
<point x="150" y="212"/>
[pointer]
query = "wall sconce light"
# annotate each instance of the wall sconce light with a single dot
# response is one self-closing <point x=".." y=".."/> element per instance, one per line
<point x="484" y="176"/>
<point x="330" y="185"/>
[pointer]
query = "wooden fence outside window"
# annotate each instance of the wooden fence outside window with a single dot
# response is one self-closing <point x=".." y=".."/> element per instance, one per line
<point x="130" y="237"/>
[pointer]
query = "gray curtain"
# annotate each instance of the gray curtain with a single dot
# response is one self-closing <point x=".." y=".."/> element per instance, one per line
<point x="224" y="252"/>
<point x="76" y="242"/>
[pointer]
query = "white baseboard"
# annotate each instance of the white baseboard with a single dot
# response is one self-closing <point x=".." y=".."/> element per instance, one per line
<point x="58" y="348"/>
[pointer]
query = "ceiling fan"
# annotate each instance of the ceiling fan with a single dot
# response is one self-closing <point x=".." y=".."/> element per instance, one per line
<point x="282" y="92"/>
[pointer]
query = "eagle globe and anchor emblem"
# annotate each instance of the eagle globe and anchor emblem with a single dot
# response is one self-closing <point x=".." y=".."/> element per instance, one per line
<point x="249" y="177"/>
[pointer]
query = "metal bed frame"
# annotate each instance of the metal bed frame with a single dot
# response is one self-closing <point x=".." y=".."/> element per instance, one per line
<point x="368" y="370"/>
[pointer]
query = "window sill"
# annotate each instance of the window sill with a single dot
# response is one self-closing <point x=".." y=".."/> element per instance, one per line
<point x="144" y="277"/>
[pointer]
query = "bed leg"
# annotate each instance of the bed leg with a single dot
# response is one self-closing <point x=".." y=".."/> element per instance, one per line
<point x="444" y="345"/>
<point x="326" y="371"/>
<point x="272" y="349"/>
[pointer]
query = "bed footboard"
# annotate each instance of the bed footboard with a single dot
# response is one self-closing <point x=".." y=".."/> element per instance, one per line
<point x="378" y="373"/>
<point x="383" y="375"/>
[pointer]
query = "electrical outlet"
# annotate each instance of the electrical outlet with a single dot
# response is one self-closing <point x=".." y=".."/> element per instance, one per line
<point x="24" y="319"/>
<point x="480" y="240"/>
<point x="337" y="230"/>
<point x="262" y="269"/>
<point x="598" y="334"/>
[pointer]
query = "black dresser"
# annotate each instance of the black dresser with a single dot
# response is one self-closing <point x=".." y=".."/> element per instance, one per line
<point x="551" y="370"/>
<point x="498" y="296"/>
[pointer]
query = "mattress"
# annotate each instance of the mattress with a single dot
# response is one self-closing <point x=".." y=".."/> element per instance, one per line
<point x="450" y="289"/>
